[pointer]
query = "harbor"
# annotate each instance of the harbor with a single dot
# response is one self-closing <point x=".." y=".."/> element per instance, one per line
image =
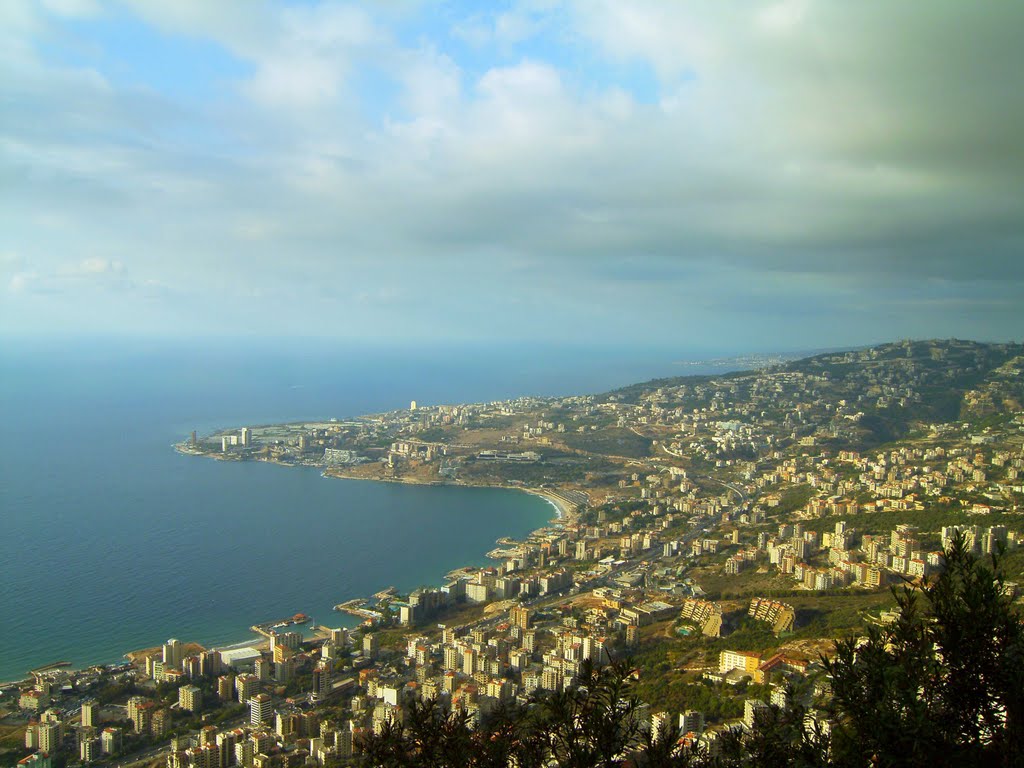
<point x="357" y="607"/>
<point x="269" y="628"/>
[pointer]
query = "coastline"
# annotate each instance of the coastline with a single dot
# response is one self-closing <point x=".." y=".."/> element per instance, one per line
<point x="563" y="509"/>
<point x="564" y="512"/>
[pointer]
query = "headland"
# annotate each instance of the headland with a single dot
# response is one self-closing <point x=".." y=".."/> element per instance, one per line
<point x="722" y="531"/>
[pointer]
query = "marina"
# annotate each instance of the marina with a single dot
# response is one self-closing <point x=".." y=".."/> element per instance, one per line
<point x="357" y="607"/>
<point x="269" y="628"/>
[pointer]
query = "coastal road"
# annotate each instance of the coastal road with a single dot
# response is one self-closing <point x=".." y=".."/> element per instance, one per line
<point x="730" y="486"/>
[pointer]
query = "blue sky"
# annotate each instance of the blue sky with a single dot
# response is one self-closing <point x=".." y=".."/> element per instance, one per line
<point x="740" y="177"/>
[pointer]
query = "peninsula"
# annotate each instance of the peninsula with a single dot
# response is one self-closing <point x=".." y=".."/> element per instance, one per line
<point x="719" y="531"/>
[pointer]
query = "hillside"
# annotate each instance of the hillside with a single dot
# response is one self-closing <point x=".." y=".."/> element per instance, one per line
<point x="870" y="396"/>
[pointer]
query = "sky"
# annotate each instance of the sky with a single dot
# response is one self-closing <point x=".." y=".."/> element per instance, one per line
<point x="723" y="176"/>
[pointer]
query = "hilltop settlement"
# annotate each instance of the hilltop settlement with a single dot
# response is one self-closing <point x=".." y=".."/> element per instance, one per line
<point x="720" y="532"/>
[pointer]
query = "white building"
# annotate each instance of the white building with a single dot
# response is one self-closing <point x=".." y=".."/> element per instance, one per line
<point x="260" y="709"/>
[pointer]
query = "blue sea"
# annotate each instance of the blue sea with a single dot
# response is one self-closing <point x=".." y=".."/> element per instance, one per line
<point x="111" y="541"/>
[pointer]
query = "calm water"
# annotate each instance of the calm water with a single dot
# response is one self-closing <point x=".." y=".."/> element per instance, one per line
<point x="111" y="541"/>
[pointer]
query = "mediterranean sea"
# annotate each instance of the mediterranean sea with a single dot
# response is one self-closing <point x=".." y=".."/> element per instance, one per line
<point x="111" y="541"/>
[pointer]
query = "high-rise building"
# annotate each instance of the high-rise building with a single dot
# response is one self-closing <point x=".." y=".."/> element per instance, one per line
<point x="290" y="640"/>
<point x="551" y="679"/>
<point x="520" y="616"/>
<point x="691" y="722"/>
<point x="452" y="657"/>
<point x="110" y="741"/>
<point x="343" y="742"/>
<point x="226" y="746"/>
<point x="192" y="666"/>
<point x="263" y="668"/>
<point x="160" y="722"/>
<point x="173" y="654"/>
<point x="89" y="749"/>
<point x="140" y="712"/>
<point x="286" y="724"/>
<point x="632" y="634"/>
<point x="262" y="741"/>
<point x="50" y="737"/>
<point x="284" y="670"/>
<point x="478" y="593"/>
<point x="285" y="644"/>
<point x="321" y="680"/>
<point x="206" y="756"/>
<point x="371" y="644"/>
<point x="210" y="663"/>
<point x="280" y="652"/>
<point x="247" y="686"/>
<point x="260" y="709"/>
<point x="190" y="698"/>
<point x="243" y="754"/>
<point x="246" y="437"/>
<point x="90" y="712"/>
<point x="530" y="640"/>
<point x="225" y="687"/>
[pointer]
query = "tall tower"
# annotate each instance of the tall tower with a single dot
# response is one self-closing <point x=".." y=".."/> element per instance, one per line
<point x="90" y="713"/>
<point x="89" y="749"/>
<point x="110" y="741"/>
<point x="260" y="709"/>
<point x="371" y="644"/>
<point x="520" y="616"/>
<point x="246" y="437"/>
<point x="173" y="652"/>
<point x="50" y="737"/>
<point x="321" y="680"/>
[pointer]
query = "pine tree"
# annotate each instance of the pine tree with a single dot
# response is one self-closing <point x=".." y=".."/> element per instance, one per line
<point x="942" y="685"/>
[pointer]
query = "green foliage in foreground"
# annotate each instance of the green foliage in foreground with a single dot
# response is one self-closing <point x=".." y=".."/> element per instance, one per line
<point x="943" y="685"/>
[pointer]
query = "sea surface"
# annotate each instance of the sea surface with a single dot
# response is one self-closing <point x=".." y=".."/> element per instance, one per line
<point x="110" y="541"/>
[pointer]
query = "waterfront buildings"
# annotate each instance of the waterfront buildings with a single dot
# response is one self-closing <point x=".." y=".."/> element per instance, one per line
<point x="631" y="566"/>
<point x="173" y="652"/>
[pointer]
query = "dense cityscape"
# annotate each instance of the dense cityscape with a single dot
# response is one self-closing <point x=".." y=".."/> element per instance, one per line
<point x="719" y="533"/>
<point x="527" y="384"/>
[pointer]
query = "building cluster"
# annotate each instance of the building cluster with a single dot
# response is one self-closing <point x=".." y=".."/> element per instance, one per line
<point x="52" y="734"/>
<point x="768" y="456"/>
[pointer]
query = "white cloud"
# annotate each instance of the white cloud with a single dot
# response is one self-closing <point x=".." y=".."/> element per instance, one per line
<point x="784" y="15"/>
<point x="94" y="266"/>
<point x="72" y="8"/>
<point x="784" y="138"/>
<point x="89" y="274"/>
<point x="10" y="262"/>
